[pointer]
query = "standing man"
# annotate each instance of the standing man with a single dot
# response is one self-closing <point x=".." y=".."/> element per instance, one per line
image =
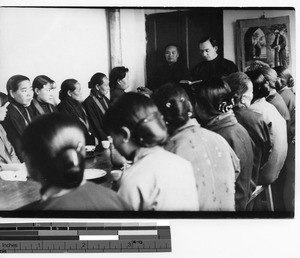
<point x="213" y="66"/>
<point x="279" y="45"/>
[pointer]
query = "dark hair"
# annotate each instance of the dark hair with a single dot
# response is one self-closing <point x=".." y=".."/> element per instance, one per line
<point x="97" y="78"/>
<point x="260" y="89"/>
<point x="173" y="45"/>
<point x="13" y="83"/>
<point x="238" y="83"/>
<point x="117" y="73"/>
<point x="53" y="151"/>
<point x="40" y="81"/>
<point x="257" y="64"/>
<point x="144" y="90"/>
<point x="140" y="115"/>
<point x="270" y="75"/>
<point x="213" y="41"/>
<point x="3" y="99"/>
<point x="214" y="96"/>
<point x="285" y="76"/>
<point x="67" y="85"/>
<point x="174" y="104"/>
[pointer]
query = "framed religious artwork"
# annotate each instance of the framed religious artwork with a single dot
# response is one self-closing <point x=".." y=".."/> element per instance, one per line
<point x="264" y="40"/>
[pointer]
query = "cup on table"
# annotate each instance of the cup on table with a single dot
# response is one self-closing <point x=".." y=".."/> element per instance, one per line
<point x="116" y="174"/>
<point x="105" y="144"/>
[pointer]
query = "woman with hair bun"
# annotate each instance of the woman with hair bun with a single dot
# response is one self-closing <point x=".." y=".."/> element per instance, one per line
<point x="214" y="162"/>
<point x="277" y="127"/>
<point x="158" y="180"/>
<point x="268" y="77"/>
<point x="242" y="93"/>
<point x="54" y="155"/>
<point x="97" y="103"/>
<point x="278" y="130"/>
<point x="118" y="81"/>
<point x="284" y="86"/>
<point x="71" y="97"/>
<point x="214" y="110"/>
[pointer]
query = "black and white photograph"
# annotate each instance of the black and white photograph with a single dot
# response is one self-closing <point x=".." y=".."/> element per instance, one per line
<point x="147" y="112"/>
<point x="174" y="125"/>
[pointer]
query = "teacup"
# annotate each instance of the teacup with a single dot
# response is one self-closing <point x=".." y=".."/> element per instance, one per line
<point x="105" y="144"/>
<point x="116" y="174"/>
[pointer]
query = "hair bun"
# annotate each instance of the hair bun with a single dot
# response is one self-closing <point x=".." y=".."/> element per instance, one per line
<point x="291" y="82"/>
<point x="70" y="165"/>
<point x="151" y="130"/>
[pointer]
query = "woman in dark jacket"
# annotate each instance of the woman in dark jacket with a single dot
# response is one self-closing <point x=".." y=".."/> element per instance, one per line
<point x="42" y="87"/>
<point x="97" y="103"/>
<point x="70" y="96"/>
<point x="19" y="111"/>
<point x="118" y="82"/>
<point x="242" y="92"/>
<point x="214" y="110"/>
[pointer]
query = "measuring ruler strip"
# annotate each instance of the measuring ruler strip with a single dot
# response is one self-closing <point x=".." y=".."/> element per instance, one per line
<point x="141" y="245"/>
<point x="84" y="237"/>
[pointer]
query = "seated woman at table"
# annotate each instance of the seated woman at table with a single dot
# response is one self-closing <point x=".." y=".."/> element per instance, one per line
<point x="42" y="101"/>
<point x="214" y="110"/>
<point x="158" y="180"/>
<point x="273" y="172"/>
<point x="269" y="76"/>
<point x="118" y="82"/>
<point x="284" y="86"/>
<point x="277" y="127"/>
<point x="242" y="91"/>
<point x="213" y="160"/>
<point x="19" y="111"/>
<point x="97" y="103"/>
<point x="71" y="97"/>
<point x="8" y="157"/>
<point x="54" y="155"/>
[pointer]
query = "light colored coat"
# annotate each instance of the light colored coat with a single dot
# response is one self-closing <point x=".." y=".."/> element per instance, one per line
<point x="159" y="180"/>
<point x="278" y="135"/>
<point x="214" y="163"/>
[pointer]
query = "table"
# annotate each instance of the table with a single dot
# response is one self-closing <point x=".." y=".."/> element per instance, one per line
<point x="15" y="194"/>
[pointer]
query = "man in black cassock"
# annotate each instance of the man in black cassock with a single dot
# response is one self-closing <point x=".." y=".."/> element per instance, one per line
<point x="213" y="66"/>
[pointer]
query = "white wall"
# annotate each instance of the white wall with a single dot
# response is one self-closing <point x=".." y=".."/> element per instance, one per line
<point x="133" y="42"/>
<point x="68" y="43"/>
<point x="60" y="43"/>
<point x="229" y="23"/>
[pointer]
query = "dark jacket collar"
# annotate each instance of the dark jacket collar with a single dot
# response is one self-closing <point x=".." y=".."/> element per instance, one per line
<point x="221" y="121"/>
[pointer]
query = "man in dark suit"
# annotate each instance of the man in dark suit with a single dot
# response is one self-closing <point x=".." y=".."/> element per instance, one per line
<point x="213" y="66"/>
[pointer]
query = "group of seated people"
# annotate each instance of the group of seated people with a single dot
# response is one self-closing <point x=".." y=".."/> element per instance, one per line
<point x="200" y="148"/>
